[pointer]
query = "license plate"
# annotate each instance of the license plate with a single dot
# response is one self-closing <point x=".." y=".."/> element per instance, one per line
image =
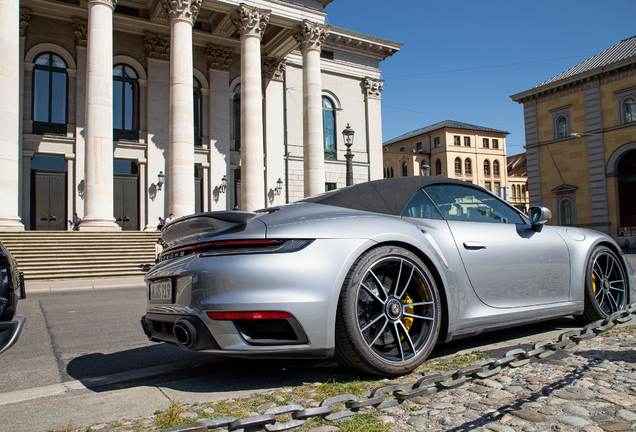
<point x="161" y="290"/>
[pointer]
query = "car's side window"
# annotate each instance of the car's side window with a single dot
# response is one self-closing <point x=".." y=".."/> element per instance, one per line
<point x="421" y="206"/>
<point x="462" y="203"/>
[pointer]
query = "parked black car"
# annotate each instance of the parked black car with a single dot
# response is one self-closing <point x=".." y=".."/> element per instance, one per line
<point x="11" y="289"/>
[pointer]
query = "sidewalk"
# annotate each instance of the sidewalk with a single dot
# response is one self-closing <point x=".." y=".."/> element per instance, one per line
<point x="83" y="284"/>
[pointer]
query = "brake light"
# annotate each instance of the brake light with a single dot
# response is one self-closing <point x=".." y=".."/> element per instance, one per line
<point x="219" y="246"/>
<point x="248" y="315"/>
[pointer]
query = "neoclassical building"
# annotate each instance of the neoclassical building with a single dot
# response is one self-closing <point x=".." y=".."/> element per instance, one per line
<point x="124" y="111"/>
<point x="451" y="149"/>
<point x="581" y="142"/>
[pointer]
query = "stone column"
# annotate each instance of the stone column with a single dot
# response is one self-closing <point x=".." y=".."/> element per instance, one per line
<point x="9" y="113"/>
<point x="81" y="30"/>
<point x="373" y="89"/>
<point x="70" y="184"/>
<point x="158" y="110"/>
<point x="98" y="177"/>
<point x="251" y="23"/>
<point x="273" y="70"/>
<point x="180" y="176"/>
<point x="143" y="195"/>
<point x="24" y="201"/>
<point x="311" y="36"/>
<point x="219" y="62"/>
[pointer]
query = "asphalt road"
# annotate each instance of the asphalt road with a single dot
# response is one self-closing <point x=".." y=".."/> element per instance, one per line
<point x="83" y="358"/>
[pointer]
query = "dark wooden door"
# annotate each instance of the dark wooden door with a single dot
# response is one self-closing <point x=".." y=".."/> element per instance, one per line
<point x="126" y="205"/>
<point x="48" y="205"/>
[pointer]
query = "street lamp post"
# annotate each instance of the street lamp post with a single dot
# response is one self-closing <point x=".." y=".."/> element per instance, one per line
<point x="347" y="134"/>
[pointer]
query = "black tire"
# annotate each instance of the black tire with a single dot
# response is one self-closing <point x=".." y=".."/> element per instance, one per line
<point x="605" y="285"/>
<point x="374" y="311"/>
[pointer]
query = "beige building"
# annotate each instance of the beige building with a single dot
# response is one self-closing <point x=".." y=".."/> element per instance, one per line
<point x="451" y="149"/>
<point x="518" y="182"/>
<point x="125" y="111"/>
<point x="581" y="142"/>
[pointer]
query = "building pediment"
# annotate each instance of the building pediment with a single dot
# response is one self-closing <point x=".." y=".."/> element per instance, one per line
<point x="565" y="188"/>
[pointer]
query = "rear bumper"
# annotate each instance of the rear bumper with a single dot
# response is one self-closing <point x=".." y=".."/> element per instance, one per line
<point x="10" y="332"/>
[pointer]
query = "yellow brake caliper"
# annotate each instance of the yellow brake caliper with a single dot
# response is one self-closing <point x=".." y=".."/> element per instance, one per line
<point x="594" y="283"/>
<point x="408" y="321"/>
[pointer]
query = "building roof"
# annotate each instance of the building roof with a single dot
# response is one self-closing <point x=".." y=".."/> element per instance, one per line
<point x="619" y="52"/>
<point x="441" y="125"/>
<point x="517" y="166"/>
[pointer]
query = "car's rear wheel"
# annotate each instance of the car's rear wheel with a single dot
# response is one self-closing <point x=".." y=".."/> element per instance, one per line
<point x="389" y="313"/>
<point x="605" y="285"/>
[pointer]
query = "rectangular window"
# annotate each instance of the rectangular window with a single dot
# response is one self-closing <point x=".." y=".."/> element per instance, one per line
<point x="498" y="188"/>
<point x="486" y="143"/>
<point x="330" y="186"/>
<point x="402" y="149"/>
<point x="495" y="143"/>
<point x="466" y="141"/>
<point x="488" y="186"/>
<point x="436" y="142"/>
<point x="457" y="140"/>
<point x="418" y="147"/>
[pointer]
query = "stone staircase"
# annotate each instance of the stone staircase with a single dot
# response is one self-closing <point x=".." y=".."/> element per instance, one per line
<point x="51" y="255"/>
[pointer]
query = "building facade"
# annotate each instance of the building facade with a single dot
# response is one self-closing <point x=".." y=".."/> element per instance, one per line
<point x="518" y="182"/>
<point x="127" y="111"/>
<point x="581" y="142"/>
<point x="451" y="149"/>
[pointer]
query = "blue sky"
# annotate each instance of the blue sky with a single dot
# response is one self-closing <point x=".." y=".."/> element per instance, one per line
<point x="462" y="60"/>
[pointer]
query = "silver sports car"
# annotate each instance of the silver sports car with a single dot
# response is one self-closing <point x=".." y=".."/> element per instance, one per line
<point x="375" y="274"/>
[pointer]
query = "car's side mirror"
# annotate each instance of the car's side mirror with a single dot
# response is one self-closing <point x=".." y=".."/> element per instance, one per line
<point x="539" y="216"/>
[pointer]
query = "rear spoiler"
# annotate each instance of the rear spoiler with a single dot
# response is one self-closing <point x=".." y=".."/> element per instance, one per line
<point x="201" y="224"/>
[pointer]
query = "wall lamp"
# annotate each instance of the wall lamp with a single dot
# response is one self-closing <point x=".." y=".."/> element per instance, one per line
<point x="160" y="179"/>
<point x="279" y="187"/>
<point x="223" y="186"/>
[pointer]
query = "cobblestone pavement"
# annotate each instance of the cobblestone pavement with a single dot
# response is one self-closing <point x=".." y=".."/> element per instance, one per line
<point x="591" y="387"/>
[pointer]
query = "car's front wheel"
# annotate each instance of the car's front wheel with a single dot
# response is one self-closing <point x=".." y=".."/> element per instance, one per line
<point x="605" y="285"/>
<point x="389" y="313"/>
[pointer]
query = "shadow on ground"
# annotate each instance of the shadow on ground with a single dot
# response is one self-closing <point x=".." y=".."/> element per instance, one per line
<point x="207" y="373"/>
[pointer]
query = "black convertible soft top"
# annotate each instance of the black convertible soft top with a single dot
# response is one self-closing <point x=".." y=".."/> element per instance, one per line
<point x="387" y="196"/>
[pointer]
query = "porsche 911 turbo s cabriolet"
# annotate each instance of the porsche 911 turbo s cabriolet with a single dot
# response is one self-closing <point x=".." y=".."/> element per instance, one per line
<point x="375" y="274"/>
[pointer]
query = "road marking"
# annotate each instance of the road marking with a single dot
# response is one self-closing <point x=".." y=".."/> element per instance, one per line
<point x="90" y="383"/>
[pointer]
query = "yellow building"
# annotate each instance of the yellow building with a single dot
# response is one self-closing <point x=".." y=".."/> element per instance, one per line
<point x="452" y="149"/>
<point x="581" y="142"/>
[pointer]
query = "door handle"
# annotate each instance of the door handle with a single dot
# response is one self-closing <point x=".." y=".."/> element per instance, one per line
<point x="118" y="219"/>
<point x="44" y="218"/>
<point x="52" y="218"/>
<point x="126" y="219"/>
<point x="474" y="246"/>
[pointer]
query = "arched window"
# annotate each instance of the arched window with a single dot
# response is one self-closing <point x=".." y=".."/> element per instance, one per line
<point x="565" y="210"/>
<point x="391" y="171"/>
<point x="523" y="191"/>
<point x="49" y="94"/>
<point x="405" y="170"/>
<point x="468" y="167"/>
<point x="458" y="166"/>
<point x="329" y="128"/>
<point x="562" y="127"/>
<point x="630" y="110"/>
<point x="236" y="117"/>
<point x="519" y="191"/>
<point x="198" y="116"/>
<point x="487" y="168"/>
<point x="438" y="167"/>
<point x="125" y="103"/>
<point x="495" y="168"/>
